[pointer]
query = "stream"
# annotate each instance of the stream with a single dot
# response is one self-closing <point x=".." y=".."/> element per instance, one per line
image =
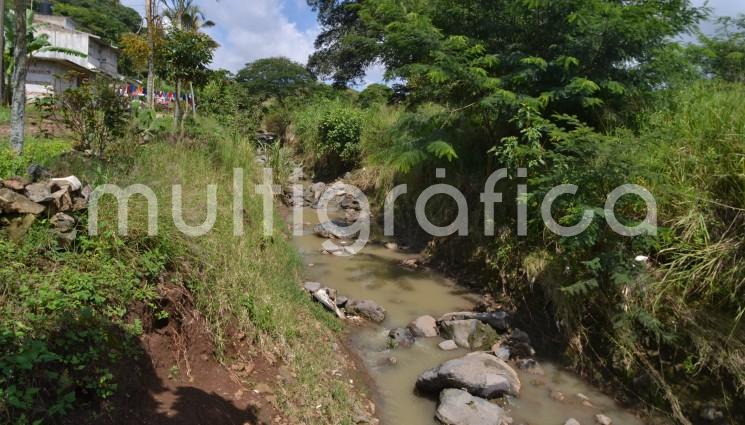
<point x="550" y="398"/>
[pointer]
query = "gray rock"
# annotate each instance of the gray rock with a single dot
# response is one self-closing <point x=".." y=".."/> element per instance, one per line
<point x="366" y="309"/>
<point x="519" y="336"/>
<point x="481" y="374"/>
<point x="501" y="351"/>
<point x="425" y="326"/>
<point x="12" y="202"/>
<point x="603" y="420"/>
<point x="63" y="222"/>
<point x="472" y="334"/>
<point x="336" y="229"/>
<point x="312" y="286"/>
<point x="572" y="421"/>
<point x="401" y="337"/>
<point x="498" y="320"/>
<point x="341" y="301"/>
<point x="458" y="407"/>
<point x="350" y="203"/>
<point x="37" y="172"/>
<point x="448" y="345"/>
<point x="39" y="192"/>
<point x="72" y="183"/>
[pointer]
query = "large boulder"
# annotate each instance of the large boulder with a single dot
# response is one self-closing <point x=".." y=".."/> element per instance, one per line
<point x="15" y="203"/>
<point x="366" y="309"/>
<point x="472" y="334"/>
<point x="499" y="320"/>
<point x="481" y="374"/>
<point x="457" y="407"/>
<point x="425" y="326"/>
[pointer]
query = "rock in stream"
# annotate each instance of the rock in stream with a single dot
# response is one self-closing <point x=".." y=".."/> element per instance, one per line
<point x="481" y="374"/>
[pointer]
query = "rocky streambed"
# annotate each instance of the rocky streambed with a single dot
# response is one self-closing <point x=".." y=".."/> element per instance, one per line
<point x="433" y="356"/>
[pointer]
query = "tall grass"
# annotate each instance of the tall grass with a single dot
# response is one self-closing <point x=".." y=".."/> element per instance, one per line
<point x="247" y="284"/>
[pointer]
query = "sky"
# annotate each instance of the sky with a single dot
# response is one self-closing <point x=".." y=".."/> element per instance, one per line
<point x="252" y="29"/>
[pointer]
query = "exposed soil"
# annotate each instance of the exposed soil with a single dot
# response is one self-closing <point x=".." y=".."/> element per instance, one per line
<point x="176" y="379"/>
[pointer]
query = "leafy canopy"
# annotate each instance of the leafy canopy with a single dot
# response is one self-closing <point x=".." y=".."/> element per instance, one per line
<point x="275" y="77"/>
<point x="185" y="55"/>
<point x="107" y="19"/>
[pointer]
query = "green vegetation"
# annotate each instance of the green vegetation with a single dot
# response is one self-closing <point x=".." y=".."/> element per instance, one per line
<point x="275" y="77"/>
<point x="107" y="19"/>
<point x="38" y="151"/>
<point x="603" y="99"/>
<point x="67" y="313"/>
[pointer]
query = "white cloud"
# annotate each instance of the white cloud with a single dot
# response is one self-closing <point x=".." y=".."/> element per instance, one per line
<point x="249" y="31"/>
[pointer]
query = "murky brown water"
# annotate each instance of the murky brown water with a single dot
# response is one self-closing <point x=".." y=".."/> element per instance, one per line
<point x="375" y="275"/>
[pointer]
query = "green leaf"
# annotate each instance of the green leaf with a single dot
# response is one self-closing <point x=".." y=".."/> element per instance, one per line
<point x="442" y="149"/>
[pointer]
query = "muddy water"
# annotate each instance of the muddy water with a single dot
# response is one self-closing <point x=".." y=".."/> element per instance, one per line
<point x="375" y="275"/>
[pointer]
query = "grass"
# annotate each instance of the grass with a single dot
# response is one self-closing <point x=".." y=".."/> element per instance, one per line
<point x="36" y="151"/>
<point x="247" y="284"/>
<point x="4" y="115"/>
<point x="65" y="318"/>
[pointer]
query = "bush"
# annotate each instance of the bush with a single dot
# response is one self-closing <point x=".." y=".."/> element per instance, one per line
<point x="96" y="114"/>
<point x="329" y="133"/>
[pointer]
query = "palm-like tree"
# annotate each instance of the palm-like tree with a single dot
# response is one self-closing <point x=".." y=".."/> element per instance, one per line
<point x="186" y="15"/>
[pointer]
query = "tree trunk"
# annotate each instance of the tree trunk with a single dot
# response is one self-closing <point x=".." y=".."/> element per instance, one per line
<point x="177" y="109"/>
<point x="150" y="4"/>
<point x="18" y="105"/>
<point x="193" y="99"/>
<point x="2" y="51"/>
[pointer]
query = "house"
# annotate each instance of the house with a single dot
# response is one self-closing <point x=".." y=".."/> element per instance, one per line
<point x="50" y="72"/>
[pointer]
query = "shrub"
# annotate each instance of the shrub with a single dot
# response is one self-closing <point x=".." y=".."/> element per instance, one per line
<point x="96" y="114"/>
<point x="329" y="133"/>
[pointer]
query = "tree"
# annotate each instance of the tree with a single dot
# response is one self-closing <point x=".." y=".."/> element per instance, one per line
<point x="186" y="15"/>
<point x="105" y="18"/>
<point x="346" y="61"/>
<point x="489" y="61"/>
<point x="2" y="52"/>
<point x="184" y="58"/>
<point x="20" y="59"/>
<point x="375" y="94"/>
<point x="723" y="54"/>
<point x="275" y="77"/>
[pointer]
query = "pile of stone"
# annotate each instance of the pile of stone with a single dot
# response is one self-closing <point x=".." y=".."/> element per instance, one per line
<point x="339" y="199"/>
<point x="342" y="306"/>
<point x="22" y="201"/>
<point x="468" y="387"/>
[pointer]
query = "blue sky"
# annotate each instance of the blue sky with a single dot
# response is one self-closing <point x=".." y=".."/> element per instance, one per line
<point x="253" y="29"/>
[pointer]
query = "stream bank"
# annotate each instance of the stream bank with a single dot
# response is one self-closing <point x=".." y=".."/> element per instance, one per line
<point x="392" y="278"/>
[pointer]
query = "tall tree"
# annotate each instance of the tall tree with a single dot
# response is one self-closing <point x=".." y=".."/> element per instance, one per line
<point x="20" y="58"/>
<point x="184" y="57"/>
<point x="151" y="6"/>
<point x="186" y="15"/>
<point x="275" y="77"/>
<point x="2" y="51"/>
